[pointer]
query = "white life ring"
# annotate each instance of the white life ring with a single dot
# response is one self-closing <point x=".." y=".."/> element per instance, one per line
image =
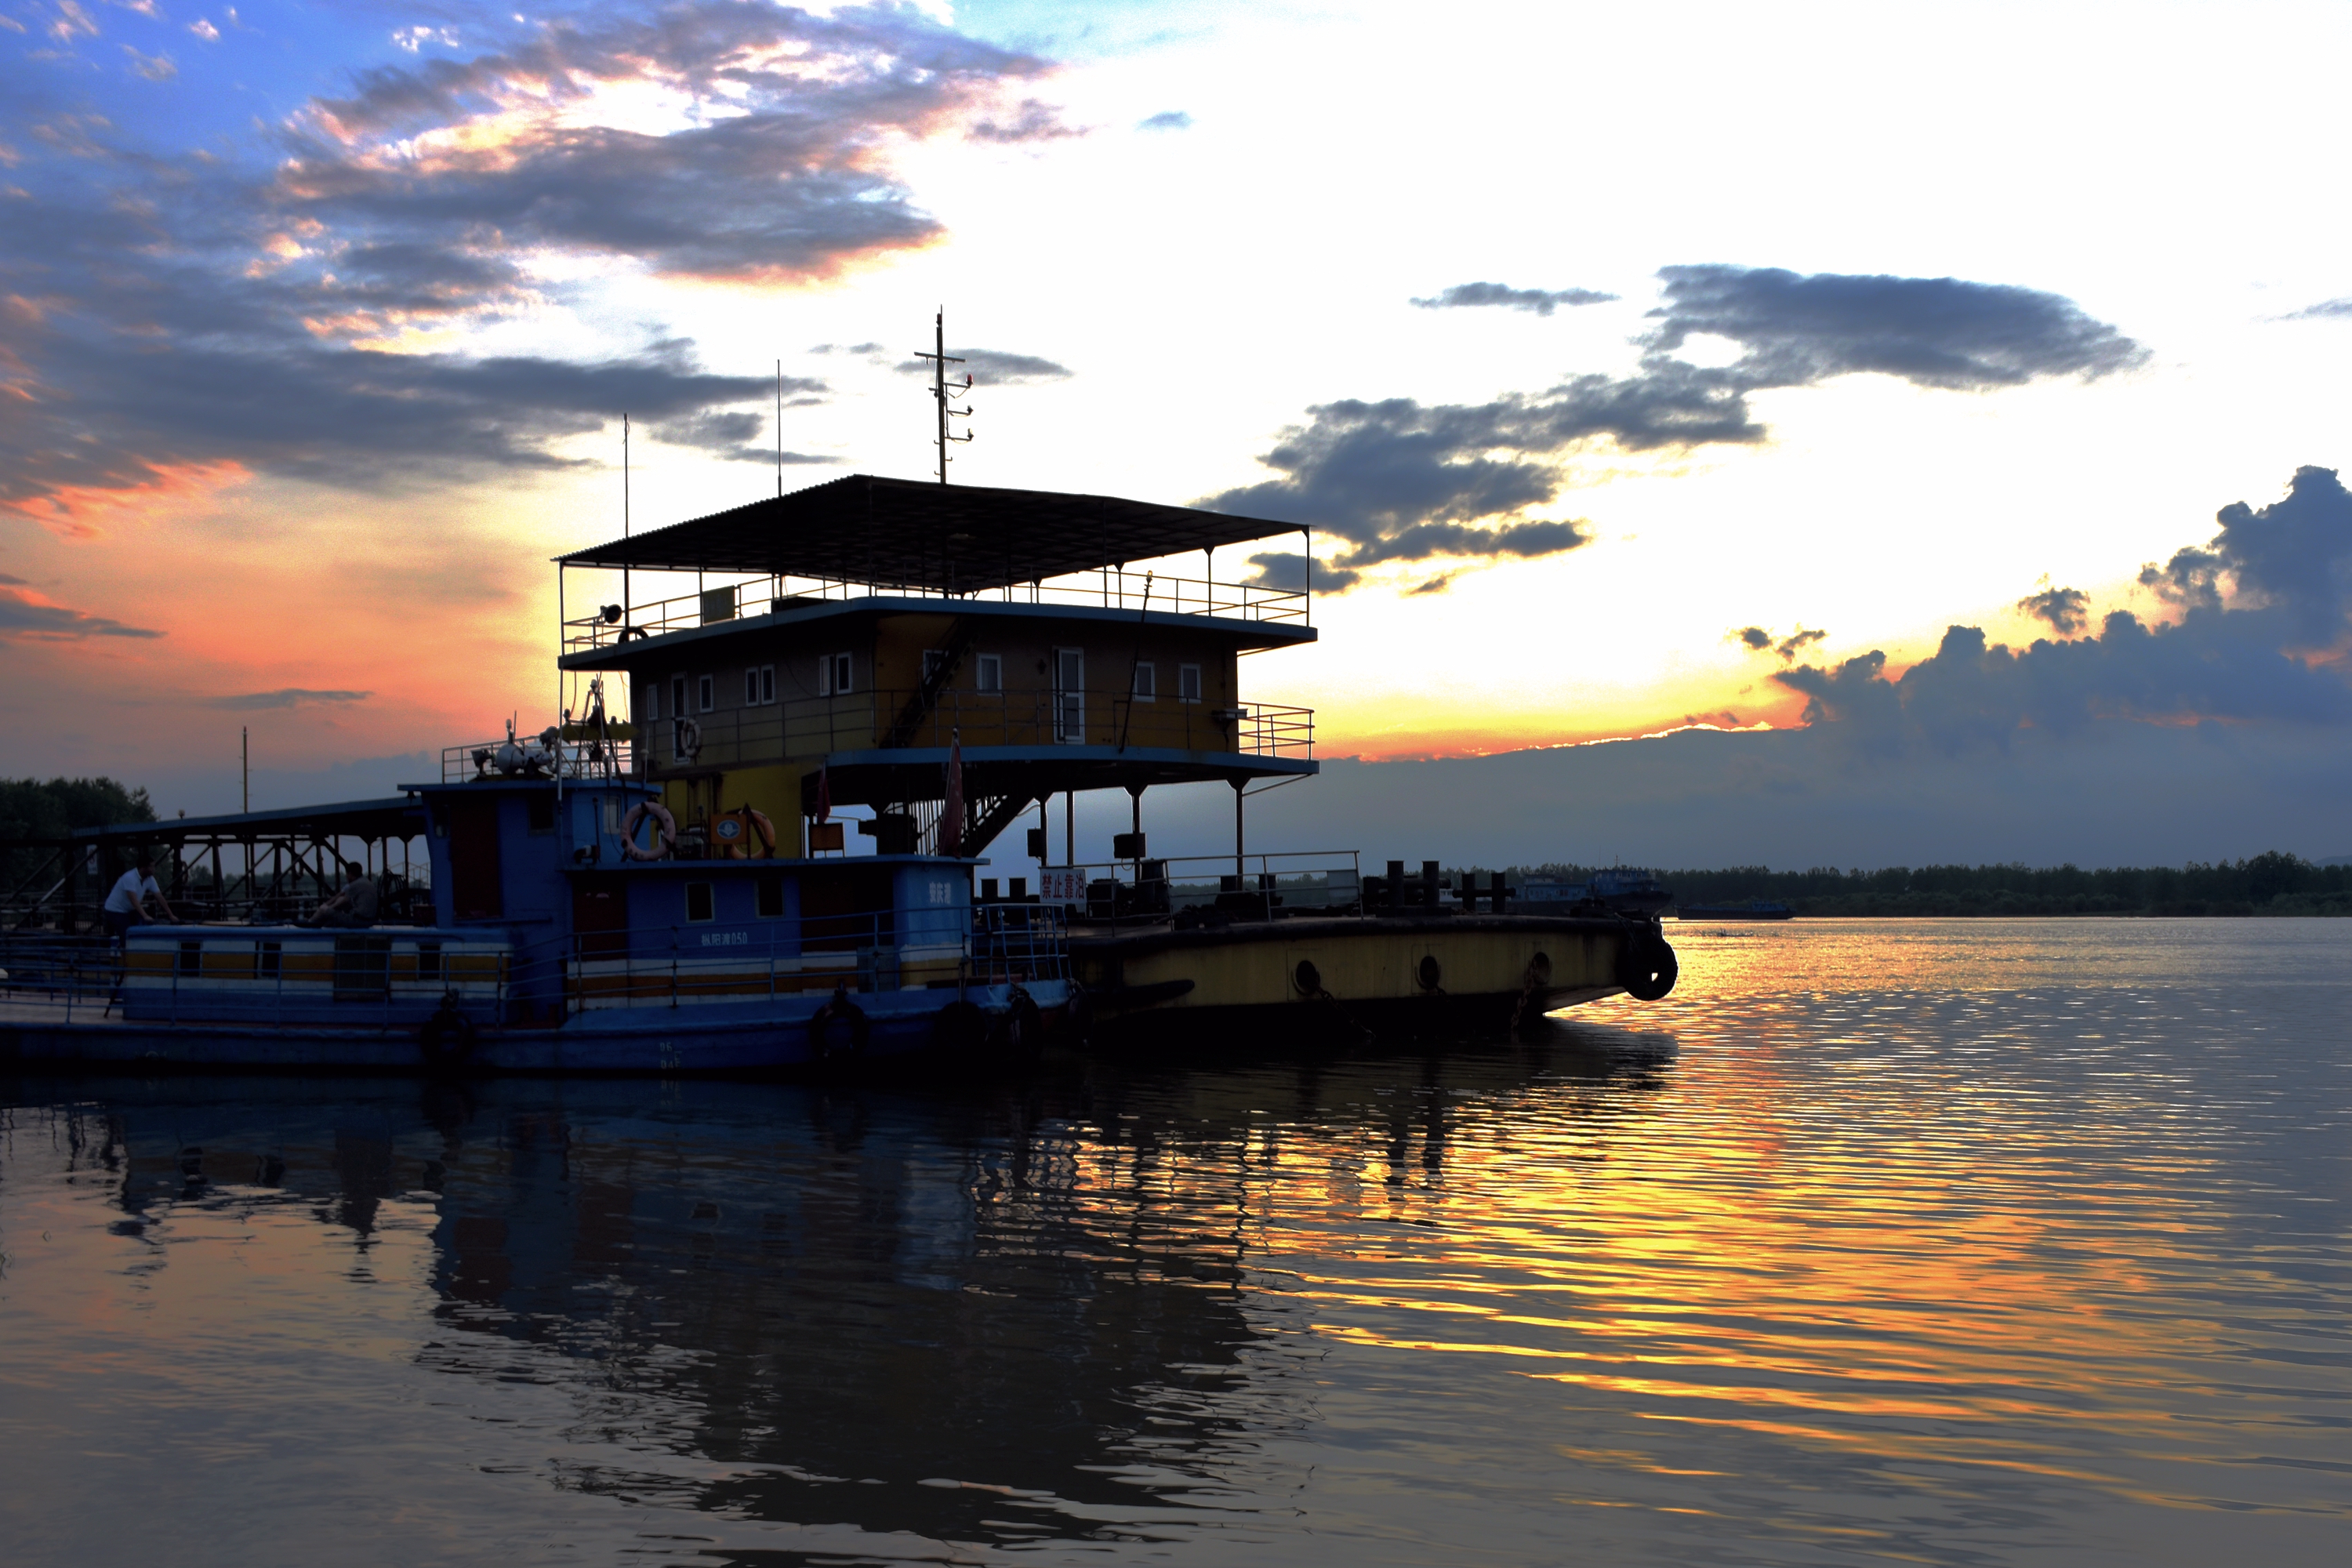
<point x="665" y="831"/>
<point x="689" y="739"/>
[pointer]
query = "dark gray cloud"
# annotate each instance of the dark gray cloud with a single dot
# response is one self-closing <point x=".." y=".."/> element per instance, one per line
<point x="1382" y="475"/>
<point x="1165" y="119"/>
<point x="159" y="313"/>
<point x="24" y="612"/>
<point x="780" y="181"/>
<point x="2066" y="610"/>
<point x="1542" y="302"/>
<point x="285" y="697"/>
<point x="1935" y="331"/>
<point x="2295" y="555"/>
<point x="995" y="367"/>
<point x="1759" y="640"/>
<point x="2227" y="657"/>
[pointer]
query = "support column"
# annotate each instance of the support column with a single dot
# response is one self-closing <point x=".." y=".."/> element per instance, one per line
<point x="1240" y="876"/>
<point x="1069" y="828"/>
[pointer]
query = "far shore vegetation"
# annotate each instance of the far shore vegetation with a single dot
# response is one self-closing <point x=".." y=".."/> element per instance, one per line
<point x="2268" y="884"/>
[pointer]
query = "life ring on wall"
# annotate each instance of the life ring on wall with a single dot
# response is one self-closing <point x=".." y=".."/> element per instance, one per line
<point x="738" y="829"/>
<point x="689" y="736"/>
<point x="665" y="831"/>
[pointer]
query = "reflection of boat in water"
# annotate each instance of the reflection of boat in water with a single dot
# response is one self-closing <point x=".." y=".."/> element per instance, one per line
<point x="831" y="1300"/>
<point x="1753" y="910"/>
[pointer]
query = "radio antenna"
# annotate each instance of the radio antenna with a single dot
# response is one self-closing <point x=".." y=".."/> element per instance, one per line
<point x="780" y="427"/>
<point x="940" y="386"/>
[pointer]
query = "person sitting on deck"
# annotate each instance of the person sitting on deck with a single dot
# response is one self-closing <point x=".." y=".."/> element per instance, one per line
<point x="355" y="905"/>
<point x="126" y="906"/>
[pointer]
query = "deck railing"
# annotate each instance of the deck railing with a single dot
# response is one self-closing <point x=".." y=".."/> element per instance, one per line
<point x="1111" y="589"/>
<point x="375" y="977"/>
<point x="606" y="757"/>
<point x="865" y="721"/>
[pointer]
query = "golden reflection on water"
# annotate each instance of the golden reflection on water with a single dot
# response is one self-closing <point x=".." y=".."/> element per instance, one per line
<point x="1940" y="1241"/>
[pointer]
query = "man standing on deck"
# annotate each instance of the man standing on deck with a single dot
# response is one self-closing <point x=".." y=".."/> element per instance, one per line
<point x="126" y="906"/>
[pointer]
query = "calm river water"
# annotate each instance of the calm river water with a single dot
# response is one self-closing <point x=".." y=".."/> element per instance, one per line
<point x="1934" y="1242"/>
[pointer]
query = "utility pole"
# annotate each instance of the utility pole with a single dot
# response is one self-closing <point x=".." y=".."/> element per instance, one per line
<point x="940" y="359"/>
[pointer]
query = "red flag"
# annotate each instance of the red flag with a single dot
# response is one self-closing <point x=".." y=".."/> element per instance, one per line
<point x="951" y="814"/>
<point x="823" y="797"/>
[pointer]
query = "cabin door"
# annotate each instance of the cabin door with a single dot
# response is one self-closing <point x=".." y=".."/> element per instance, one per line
<point x="599" y="916"/>
<point x="1070" y="696"/>
<point x="474" y="884"/>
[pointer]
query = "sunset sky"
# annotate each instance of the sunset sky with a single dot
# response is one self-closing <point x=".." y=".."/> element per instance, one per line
<point x="1637" y="367"/>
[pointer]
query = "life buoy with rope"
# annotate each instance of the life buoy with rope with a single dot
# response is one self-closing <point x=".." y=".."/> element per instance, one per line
<point x="630" y="633"/>
<point x="689" y="736"/>
<point x="820" y="1024"/>
<point x="665" y="831"/>
<point x="1647" y="967"/>
<point x="738" y="830"/>
<point x="445" y="1040"/>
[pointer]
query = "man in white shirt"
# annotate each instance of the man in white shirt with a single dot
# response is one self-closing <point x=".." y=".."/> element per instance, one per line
<point x="126" y="906"/>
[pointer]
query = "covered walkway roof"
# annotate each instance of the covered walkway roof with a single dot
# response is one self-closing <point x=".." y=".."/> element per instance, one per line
<point x="951" y="539"/>
<point x="397" y="817"/>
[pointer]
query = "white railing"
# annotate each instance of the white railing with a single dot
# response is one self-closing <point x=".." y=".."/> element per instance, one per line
<point x="1109" y="589"/>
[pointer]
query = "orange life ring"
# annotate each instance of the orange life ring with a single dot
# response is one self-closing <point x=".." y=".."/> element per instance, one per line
<point x="735" y="831"/>
<point x="665" y="831"/>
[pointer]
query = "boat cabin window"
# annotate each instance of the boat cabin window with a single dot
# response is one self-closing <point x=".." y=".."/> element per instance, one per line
<point x="1188" y="683"/>
<point x="698" y="901"/>
<point x="771" y="898"/>
<point x="1145" y="687"/>
<point x="653" y="701"/>
<point x="677" y="697"/>
<point x="758" y="685"/>
<point x="706" y="693"/>
<point x="1070" y="696"/>
<point x="540" y="810"/>
<point x="988" y="673"/>
<point x="833" y="675"/>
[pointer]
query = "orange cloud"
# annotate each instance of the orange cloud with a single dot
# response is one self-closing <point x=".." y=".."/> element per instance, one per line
<point x="85" y="511"/>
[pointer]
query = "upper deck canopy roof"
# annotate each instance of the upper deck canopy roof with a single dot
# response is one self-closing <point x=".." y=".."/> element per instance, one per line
<point x="911" y="534"/>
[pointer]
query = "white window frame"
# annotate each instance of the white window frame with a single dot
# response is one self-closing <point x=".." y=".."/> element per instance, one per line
<point x="1188" y="676"/>
<point x="836" y="675"/>
<point x="767" y="685"/>
<point x="750" y="686"/>
<point x="1144" y="684"/>
<point x="653" y="701"/>
<point x="988" y="673"/>
<point x="706" y="693"/>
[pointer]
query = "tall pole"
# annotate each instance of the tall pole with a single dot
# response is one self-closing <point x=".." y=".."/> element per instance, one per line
<point x="625" y="516"/>
<point x="940" y="383"/>
<point x="780" y="430"/>
<point x="1239" y="875"/>
<point x="245" y="767"/>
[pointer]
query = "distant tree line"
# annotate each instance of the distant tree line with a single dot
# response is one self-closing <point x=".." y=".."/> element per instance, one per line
<point x="2268" y="884"/>
<point x="53" y="809"/>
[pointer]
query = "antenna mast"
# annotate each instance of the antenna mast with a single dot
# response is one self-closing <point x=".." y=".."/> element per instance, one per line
<point x="940" y="386"/>
<point x="780" y="427"/>
<point x="625" y="514"/>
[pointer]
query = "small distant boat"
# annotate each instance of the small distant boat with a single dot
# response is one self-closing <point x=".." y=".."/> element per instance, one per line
<point x="1753" y="910"/>
<point x="1618" y="890"/>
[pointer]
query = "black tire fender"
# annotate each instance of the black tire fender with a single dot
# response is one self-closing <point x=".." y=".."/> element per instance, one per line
<point x="1647" y="967"/>
<point x="820" y="1026"/>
